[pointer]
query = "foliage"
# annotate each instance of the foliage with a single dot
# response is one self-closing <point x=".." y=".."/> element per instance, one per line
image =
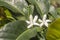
<point x="53" y="32"/>
<point x="13" y="16"/>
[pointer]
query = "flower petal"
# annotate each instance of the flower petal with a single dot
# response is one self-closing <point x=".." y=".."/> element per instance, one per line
<point x="29" y="26"/>
<point x="36" y="24"/>
<point x="48" y="21"/>
<point x="35" y="18"/>
<point x="44" y="17"/>
<point x="31" y="18"/>
<point x="41" y="24"/>
<point x="39" y="20"/>
<point x="28" y="22"/>
<point x="46" y="24"/>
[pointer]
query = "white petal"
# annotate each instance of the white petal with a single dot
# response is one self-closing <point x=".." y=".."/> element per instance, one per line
<point x="39" y="20"/>
<point x="31" y="18"/>
<point x="28" y="22"/>
<point x="29" y="26"/>
<point x="41" y="24"/>
<point x="44" y="17"/>
<point x="35" y="18"/>
<point x="48" y="21"/>
<point x="46" y="24"/>
<point x="36" y="24"/>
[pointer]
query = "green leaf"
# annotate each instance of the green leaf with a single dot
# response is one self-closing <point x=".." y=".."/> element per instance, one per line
<point x="53" y="32"/>
<point x="58" y="10"/>
<point x="30" y="10"/>
<point x="53" y="12"/>
<point x="16" y="6"/>
<point x="41" y="5"/>
<point x="8" y="14"/>
<point x="21" y="18"/>
<point x="12" y="30"/>
<point x="28" y="34"/>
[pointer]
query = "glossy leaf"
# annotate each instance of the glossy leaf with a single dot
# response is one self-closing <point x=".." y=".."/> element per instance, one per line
<point x="12" y="30"/>
<point x="53" y="12"/>
<point x="58" y="10"/>
<point x="15" y="5"/>
<point x="53" y="32"/>
<point x="32" y="34"/>
<point x="28" y="34"/>
<point x="30" y="10"/>
<point x="41" y="5"/>
<point x="8" y="14"/>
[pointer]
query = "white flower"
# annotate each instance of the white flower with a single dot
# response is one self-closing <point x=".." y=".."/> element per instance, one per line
<point x="44" y="21"/>
<point x="32" y="21"/>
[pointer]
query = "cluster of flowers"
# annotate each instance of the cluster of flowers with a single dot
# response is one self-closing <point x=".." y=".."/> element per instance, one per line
<point x="33" y="21"/>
